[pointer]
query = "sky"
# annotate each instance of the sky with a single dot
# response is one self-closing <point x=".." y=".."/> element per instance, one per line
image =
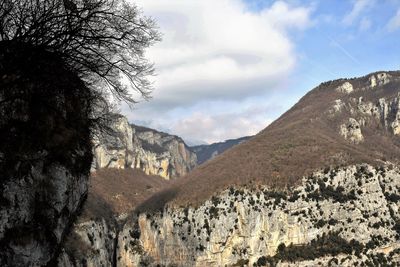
<point x="228" y="68"/>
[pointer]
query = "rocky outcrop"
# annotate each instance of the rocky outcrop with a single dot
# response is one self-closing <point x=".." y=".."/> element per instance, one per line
<point x="131" y="146"/>
<point x="114" y="149"/>
<point x="366" y="111"/>
<point x="352" y="131"/>
<point x="45" y="154"/>
<point x="346" y="88"/>
<point x="337" y="106"/>
<point x="379" y="79"/>
<point x="387" y="111"/>
<point x="113" y="195"/>
<point x="91" y="243"/>
<point x="207" y="152"/>
<point x="161" y="154"/>
<point x="354" y="211"/>
<point x="39" y="210"/>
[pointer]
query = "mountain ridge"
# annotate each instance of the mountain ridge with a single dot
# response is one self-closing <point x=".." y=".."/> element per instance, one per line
<point x="209" y="151"/>
<point x="308" y="137"/>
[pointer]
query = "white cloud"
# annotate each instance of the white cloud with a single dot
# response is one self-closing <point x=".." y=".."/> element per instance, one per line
<point x="211" y="48"/>
<point x="394" y="22"/>
<point x="218" y="127"/>
<point x="358" y="8"/>
<point x="213" y="121"/>
<point x="215" y="52"/>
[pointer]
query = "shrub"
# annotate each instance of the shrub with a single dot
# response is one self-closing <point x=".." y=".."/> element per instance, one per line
<point x="331" y="244"/>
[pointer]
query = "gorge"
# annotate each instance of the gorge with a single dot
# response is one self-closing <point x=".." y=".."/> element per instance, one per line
<point x="340" y="208"/>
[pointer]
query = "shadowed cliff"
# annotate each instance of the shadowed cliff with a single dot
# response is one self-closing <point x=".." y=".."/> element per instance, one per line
<point x="45" y="152"/>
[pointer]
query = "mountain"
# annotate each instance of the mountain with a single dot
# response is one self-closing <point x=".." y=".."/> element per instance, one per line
<point x="195" y="142"/>
<point x="339" y="123"/>
<point x="320" y="186"/>
<point x="137" y="147"/>
<point x="206" y="152"/>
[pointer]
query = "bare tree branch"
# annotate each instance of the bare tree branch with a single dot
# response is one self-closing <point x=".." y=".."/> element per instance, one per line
<point x="101" y="40"/>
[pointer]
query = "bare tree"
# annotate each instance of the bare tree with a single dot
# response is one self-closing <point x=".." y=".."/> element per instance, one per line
<point x="102" y="41"/>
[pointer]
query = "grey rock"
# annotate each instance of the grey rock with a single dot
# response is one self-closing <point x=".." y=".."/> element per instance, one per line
<point x="352" y="131"/>
<point x="154" y="152"/>
<point x="40" y="208"/>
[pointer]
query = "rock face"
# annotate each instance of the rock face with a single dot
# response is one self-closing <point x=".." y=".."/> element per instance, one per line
<point x="345" y="88"/>
<point x="352" y="131"/>
<point x="40" y="210"/>
<point x="384" y="111"/>
<point x="114" y="193"/>
<point x="353" y="210"/>
<point x="115" y="149"/>
<point x="207" y="152"/>
<point x="154" y="152"/>
<point x="379" y="79"/>
<point x="358" y="202"/>
<point x="162" y="154"/>
<point x="45" y="154"/>
<point x="92" y="243"/>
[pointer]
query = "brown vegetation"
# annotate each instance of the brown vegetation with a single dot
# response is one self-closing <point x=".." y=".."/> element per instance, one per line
<point x="302" y="140"/>
<point x="114" y="191"/>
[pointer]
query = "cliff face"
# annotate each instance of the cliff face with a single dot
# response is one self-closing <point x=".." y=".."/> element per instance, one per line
<point x="353" y="211"/>
<point x="360" y="203"/>
<point x="362" y="111"/>
<point x="92" y="243"/>
<point x="114" y="149"/>
<point x="45" y="154"/>
<point x="154" y="152"/>
<point x="39" y="210"/>
<point x="114" y="193"/>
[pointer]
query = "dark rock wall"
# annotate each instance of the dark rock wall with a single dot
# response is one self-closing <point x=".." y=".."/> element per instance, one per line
<point x="45" y="153"/>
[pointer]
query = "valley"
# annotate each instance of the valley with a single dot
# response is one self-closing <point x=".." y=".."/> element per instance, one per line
<point x="247" y="133"/>
<point x="342" y="204"/>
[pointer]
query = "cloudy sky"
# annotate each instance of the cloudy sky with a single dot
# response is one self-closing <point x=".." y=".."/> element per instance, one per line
<point x="228" y="68"/>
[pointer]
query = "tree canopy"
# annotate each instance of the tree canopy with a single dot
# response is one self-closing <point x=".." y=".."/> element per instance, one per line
<point x="102" y="41"/>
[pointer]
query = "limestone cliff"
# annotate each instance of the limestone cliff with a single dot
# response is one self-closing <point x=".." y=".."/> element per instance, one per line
<point x="354" y="210"/>
<point x="131" y="146"/>
<point x="91" y="243"/>
<point x="360" y="203"/>
<point x="114" y="149"/>
<point x="45" y="153"/>
<point x="363" y="110"/>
